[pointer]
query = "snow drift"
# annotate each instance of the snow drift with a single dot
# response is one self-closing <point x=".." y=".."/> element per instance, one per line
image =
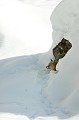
<point x="28" y="88"/>
<point x="63" y="88"/>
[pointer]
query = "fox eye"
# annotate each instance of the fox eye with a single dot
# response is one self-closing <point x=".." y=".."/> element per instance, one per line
<point x="51" y="60"/>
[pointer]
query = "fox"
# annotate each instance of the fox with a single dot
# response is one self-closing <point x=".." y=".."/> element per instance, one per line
<point x="52" y="65"/>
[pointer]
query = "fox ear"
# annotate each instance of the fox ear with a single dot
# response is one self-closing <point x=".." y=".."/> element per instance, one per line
<point x="51" y="60"/>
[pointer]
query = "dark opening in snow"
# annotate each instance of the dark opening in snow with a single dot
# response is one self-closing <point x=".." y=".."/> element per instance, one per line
<point x="61" y="49"/>
<point x="59" y="52"/>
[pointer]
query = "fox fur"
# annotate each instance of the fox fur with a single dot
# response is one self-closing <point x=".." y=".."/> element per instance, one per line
<point x="52" y="65"/>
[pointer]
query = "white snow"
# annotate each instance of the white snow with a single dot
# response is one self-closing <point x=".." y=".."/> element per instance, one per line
<point x="28" y="91"/>
<point x="64" y="85"/>
<point x="24" y="27"/>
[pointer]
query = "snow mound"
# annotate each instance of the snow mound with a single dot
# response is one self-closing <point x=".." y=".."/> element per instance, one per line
<point x="63" y="88"/>
<point x="28" y="88"/>
<point x="65" y="21"/>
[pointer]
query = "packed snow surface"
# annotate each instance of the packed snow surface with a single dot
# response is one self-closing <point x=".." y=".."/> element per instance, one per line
<point x="27" y="88"/>
<point x="28" y="91"/>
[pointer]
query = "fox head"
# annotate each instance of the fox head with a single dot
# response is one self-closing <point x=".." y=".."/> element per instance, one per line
<point x="52" y="65"/>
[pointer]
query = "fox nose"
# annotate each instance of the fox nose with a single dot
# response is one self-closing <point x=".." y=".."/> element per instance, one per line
<point x="46" y="66"/>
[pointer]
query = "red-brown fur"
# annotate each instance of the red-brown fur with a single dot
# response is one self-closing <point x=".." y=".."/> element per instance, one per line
<point x="52" y="65"/>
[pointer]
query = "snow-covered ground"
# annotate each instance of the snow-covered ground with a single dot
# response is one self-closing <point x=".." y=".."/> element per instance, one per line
<point x="28" y="91"/>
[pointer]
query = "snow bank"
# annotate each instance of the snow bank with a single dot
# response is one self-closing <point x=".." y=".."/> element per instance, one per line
<point x="62" y="88"/>
<point x="28" y="88"/>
